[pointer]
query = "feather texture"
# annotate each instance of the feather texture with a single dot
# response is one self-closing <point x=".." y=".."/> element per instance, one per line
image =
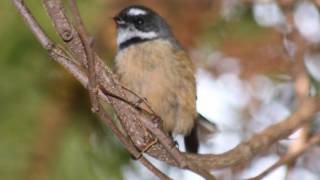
<point x="164" y="75"/>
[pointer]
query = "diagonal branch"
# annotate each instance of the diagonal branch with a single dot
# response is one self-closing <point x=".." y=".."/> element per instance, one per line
<point x="127" y="114"/>
<point x="129" y="117"/>
<point x="261" y="141"/>
<point x="93" y="87"/>
<point x="290" y="156"/>
<point x="58" y="55"/>
<point x="140" y="127"/>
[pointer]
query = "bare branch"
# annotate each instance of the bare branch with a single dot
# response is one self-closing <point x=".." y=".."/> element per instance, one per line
<point x="66" y="31"/>
<point x="290" y="156"/>
<point x="33" y="25"/>
<point x="261" y="141"/>
<point x="129" y="145"/>
<point x="59" y="55"/>
<point x="144" y="133"/>
<point x="133" y="125"/>
<point x="153" y="169"/>
<point x="93" y="87"/>
<point x="127" y="115"/>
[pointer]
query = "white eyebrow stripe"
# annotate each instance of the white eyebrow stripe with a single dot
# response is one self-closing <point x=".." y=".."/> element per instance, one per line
<point x="136" y="12"/>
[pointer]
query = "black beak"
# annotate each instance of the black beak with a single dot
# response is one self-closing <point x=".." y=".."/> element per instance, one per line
<point x="119" y="21"/>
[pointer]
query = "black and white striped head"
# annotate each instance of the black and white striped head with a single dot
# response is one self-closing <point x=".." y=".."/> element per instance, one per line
<point x="137" y="24"/>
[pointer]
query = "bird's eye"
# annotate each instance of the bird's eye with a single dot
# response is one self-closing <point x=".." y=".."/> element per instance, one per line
<point x="139" y="21"/>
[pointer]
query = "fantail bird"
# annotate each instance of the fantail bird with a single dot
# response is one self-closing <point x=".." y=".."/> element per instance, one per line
<point x="152" y="63"/>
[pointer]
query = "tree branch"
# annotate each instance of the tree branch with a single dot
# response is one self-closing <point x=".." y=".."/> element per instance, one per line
<point x="93" y="87"/>
<point x="261" y="141"/>
<point x="290" y="156"/>
<point x="144" y="133"/>
<point x="142" y="139"/>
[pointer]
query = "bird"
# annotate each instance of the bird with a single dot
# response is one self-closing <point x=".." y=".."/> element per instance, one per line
<point x="153" y="64"/>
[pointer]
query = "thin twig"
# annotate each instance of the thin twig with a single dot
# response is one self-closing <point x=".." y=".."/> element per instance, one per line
<point x="152" y="168"/>
<point x="295" y="48"/>
<point x="93" y="87"/>
<point x="143" y="100"/>
<point x="55" y="52"/>
<point x="129" y="116"/>
<point x="32" y="24"/>
<point x="130" y="146"/>
<point x="59" y="55"/>
<point x="261" y="141"/>
<point x="170" y="147"/>
<point x="164" y="139"/>
<point x="290" y="157"/>
<point x="153" y="126"/>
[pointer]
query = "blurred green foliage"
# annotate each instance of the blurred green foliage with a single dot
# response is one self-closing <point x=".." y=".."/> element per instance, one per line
<point x="30" y="84"/>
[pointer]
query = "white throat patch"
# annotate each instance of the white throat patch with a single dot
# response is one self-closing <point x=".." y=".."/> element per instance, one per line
<point x="125" y="35"/>
<point x="136" y="12"/>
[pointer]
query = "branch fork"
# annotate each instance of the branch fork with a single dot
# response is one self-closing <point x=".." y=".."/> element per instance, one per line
<point x="143" y="132"/>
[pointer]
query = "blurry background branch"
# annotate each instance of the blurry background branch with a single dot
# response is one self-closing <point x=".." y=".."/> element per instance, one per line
<point x="261" y="141"/>
<point x="292" y="156"/>
<point x="75" y="59"/>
